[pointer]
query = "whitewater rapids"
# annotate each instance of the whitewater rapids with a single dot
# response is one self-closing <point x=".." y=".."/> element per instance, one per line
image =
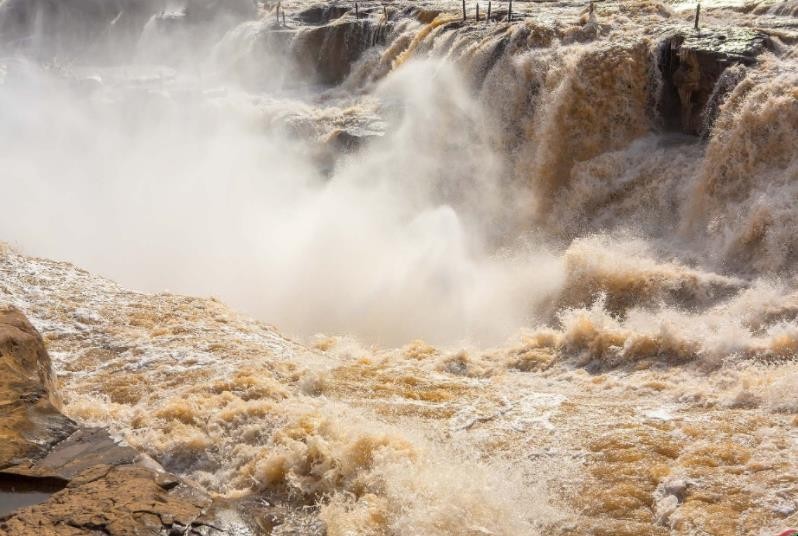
<point x="515" y="290"/>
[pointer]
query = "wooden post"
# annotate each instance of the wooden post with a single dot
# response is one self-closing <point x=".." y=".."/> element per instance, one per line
<point x="510" y="12"/>
<point x="697" y="14"/>
<point x="385" y="12"/>
<point x="477" y="11"/>
<point x="488" y="19"/>
<point x="357" y="12"/>
<point x="284" y="24"/>
<point x="464" y="14"/>
<point x="277" y="13"/>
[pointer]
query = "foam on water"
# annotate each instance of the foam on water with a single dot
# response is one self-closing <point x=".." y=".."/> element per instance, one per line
<point x="610" y="310"/>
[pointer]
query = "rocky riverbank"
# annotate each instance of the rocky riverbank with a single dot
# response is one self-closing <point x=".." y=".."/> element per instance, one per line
<point x="79" y="479"/>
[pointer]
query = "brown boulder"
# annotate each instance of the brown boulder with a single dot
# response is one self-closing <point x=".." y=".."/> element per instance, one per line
<point x="30" y="422"/>
<point x="59" y="479"/>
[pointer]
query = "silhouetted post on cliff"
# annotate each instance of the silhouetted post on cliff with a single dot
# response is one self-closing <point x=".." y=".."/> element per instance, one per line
<point x="697" y="14"/>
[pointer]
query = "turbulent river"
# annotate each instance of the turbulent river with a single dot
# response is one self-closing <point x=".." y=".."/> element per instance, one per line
<point x="536" y="276"/>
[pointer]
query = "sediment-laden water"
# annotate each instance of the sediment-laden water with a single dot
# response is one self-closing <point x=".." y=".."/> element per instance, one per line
<point x="527" y="277"/>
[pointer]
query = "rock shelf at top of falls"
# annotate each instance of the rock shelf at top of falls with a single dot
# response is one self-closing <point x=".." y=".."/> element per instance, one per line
<point x="324" y="42"/>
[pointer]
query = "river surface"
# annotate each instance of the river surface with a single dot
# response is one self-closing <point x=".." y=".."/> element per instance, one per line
<point x="471" y="278"/>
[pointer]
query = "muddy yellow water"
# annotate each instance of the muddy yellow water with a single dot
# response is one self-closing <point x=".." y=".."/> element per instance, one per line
<point x="419" y="439"/>
<point x="526" y="277"/>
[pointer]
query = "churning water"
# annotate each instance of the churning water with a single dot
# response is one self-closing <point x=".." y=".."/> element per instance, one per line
<point x="599" y="253"/>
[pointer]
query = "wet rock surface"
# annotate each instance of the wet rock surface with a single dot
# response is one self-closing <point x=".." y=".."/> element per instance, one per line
<point x="86" y="448"/>
<point x="58" y="478"/>
<point x="121" y="500"/>
<point x="321" y="14"/>
<point x="692" y="63"/>
<point x="336" y="144"/>
<point x="29" y="418"/>
<point x="328" y="52"/>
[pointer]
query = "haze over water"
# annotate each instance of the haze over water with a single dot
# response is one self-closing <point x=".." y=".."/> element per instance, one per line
<point x="531" y="287"/>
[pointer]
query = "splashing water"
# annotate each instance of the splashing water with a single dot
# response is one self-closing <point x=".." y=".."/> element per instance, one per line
<point x="590" y="217"/>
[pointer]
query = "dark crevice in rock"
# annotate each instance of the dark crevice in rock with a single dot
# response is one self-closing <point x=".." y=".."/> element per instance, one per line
<point x="18" y="491"/>
<point x="692" y="67"/>
<point x="15" y="483"/>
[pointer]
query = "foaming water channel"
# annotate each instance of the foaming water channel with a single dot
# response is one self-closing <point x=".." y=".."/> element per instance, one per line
<point x="546" y="261"/>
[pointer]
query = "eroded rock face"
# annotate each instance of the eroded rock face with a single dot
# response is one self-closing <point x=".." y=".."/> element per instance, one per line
<point x="321" y="13"/>
<point x="692" y="63"/>
<point x="30" y="422"/>
<point x="88" y="483"/>
<point x="328" y="52"/>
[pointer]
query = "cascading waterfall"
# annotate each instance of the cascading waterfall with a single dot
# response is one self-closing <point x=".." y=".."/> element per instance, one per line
<point x="588" y="218"/>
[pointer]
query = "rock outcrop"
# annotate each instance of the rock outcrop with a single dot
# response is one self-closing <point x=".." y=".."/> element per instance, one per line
<point x="321" y="13"/>
<point x="30" y="422"/>
<point x="328" y="52"/>
<point x="336" y="144"/>
<point x="115" y="500"/>
<point x="83" y="481"/>
<point x="692" y="63"/>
